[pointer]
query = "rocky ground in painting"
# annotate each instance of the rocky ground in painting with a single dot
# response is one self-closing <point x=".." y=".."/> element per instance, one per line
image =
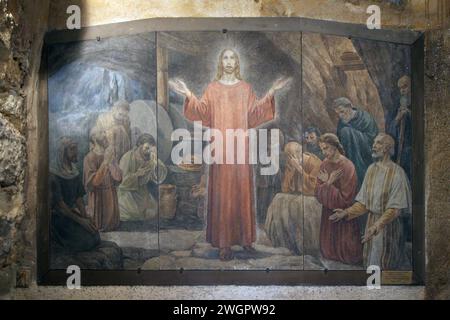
<point x="187" y="249"/>
<point x="108" y="255"/>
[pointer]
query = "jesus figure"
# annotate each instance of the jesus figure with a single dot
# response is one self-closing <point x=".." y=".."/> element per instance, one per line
<point x="230" y="103"/>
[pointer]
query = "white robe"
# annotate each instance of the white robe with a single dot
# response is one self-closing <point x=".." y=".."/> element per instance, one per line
<point x="385" y="187"/>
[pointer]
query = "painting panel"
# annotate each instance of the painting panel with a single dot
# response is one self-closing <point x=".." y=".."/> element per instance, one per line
<point x="220" y="85"/>
<point x="102" y="135"/>
<point x="357" y="118"/>
<point x="148" y="170"/>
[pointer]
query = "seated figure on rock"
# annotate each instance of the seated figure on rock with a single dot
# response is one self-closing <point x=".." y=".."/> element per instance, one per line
<point x="293" y="217"/>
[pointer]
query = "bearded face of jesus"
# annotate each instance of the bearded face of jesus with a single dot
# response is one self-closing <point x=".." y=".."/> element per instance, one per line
<point x="228" y="64"/>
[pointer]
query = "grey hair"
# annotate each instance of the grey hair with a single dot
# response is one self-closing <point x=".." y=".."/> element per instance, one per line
<point x="388" y="141"/>
<point x="342" y="101"/>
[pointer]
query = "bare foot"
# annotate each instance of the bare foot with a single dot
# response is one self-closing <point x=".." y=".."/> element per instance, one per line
<point x="249" y="249"/>
<point x="225" y="254"/>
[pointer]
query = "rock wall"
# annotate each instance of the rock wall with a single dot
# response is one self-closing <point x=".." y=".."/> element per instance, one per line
<point x="437" y="172"/>
<point x="22" y="25"/>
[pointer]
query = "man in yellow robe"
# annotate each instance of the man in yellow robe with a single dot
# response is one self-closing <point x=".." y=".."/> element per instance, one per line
<point x="301" y="171"/>
<point x="293" y="217"/>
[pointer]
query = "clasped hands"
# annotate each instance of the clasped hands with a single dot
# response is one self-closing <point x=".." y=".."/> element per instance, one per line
<point x="145" y="169"/>
<point x="109" y="156"/>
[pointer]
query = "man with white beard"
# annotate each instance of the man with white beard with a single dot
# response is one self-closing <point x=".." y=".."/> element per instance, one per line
<point x="385" y="195"/>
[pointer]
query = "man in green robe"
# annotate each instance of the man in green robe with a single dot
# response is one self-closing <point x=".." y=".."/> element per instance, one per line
<point x="356" y="131"/>
<point x="140" y="166"/>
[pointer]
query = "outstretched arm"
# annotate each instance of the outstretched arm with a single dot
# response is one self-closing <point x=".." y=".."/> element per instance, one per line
<point x="194" y="109"/>
<point x="278" y="84"/>
<point x="387" y="217"/>
<point x="180" y="87"/>
<point x="356" y="210"/>
<point x="263" y="110"/>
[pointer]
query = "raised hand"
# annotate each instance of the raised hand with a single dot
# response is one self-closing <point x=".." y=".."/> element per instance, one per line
<point x="279" y="84"/>
<point x="180" y="87"/>
<point x="338" y="215"/>
<point x="293" y="162"/>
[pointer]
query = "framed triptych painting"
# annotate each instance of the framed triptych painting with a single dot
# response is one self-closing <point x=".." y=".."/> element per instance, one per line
<point x="232" y="151"/>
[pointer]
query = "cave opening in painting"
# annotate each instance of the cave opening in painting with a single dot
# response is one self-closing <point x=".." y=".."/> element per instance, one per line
<point x="340" y="198"/>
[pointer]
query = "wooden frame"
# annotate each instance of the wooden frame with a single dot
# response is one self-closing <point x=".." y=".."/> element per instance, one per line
<point x="45" y="276"/>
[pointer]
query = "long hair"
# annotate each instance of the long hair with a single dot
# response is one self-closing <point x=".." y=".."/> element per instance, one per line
<point x="237" y="71"/>
<point x="332" y="140"/>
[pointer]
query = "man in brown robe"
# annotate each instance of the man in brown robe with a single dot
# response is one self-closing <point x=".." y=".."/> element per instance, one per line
<point x="230" y="103"/>
<point x="336" y="189"/>
<point x="102" y="176"/>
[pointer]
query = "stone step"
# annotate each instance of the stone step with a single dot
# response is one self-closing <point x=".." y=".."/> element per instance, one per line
<point x="165" y="241"/>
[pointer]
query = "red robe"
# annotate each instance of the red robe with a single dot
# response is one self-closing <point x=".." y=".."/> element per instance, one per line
<point x="231" y="212"/>
<point x="340" y="241"/>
